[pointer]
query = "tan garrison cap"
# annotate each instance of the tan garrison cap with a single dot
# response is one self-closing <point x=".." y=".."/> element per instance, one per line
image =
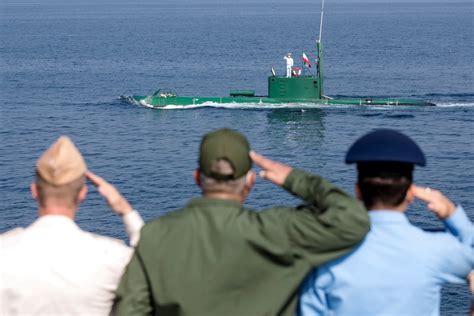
<point x="61" y="163"/>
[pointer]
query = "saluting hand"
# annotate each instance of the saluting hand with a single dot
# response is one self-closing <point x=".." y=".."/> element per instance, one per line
<point x="114" y="199"/>
<point x="437" y="202"/>
<point x="271" y="170"/>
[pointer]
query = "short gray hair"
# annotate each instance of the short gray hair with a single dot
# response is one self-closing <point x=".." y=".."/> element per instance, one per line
<point x="232" y="186"/>
<point x="67" y="193"/>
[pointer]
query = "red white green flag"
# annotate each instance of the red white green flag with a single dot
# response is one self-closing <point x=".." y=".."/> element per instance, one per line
<point x="306" y="60"/>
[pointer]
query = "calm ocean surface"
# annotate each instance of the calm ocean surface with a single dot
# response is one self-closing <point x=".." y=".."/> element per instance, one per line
<point x="62" y="68"/>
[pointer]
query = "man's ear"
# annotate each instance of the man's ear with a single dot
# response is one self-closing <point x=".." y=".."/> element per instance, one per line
<point x="410" y="196"/>
<point x="34" y="191"/>
<point x="197" y="177"/>
<point x="249" y="183"/>
<point x="357" y="191"/>
<point x="250" y="180"/>
<point x="81" y="196"/>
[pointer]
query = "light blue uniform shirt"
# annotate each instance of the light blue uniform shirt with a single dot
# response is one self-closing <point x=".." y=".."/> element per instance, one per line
<point x="397" y="270"/>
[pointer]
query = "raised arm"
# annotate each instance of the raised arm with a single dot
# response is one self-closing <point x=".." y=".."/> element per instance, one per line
<point x="131" y="218"/>
<point x="454" y="217"/>
<point x="456" y="249"/>
<point x="331" y="223"/>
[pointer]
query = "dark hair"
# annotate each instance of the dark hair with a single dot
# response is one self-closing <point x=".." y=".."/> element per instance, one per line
<point x="384" y="183"/>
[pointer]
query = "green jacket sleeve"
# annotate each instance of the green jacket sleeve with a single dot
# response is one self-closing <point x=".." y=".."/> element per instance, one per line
<point x="330" y="223"/>
<point x="133" y="293"/>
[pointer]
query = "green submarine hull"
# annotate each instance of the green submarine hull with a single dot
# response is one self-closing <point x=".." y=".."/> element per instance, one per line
<point x="156" y="101"/>
<point x="282" y="90"/>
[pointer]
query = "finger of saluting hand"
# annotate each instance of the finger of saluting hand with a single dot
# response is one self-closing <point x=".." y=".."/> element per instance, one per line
<point x="261" y="161"/>
<point x="103" y="186"/>
<point x="437" y="202"/>
<point x="429" y="195"/>
<point x="113" y="197"/>
<point x="271" y="170"/>
<point x="425" y="194"/>
<point x="95" y="179"/>
<point x="268" y="166"/>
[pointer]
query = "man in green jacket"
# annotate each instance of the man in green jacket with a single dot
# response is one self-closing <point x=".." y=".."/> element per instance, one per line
<point x="215" y="257"/>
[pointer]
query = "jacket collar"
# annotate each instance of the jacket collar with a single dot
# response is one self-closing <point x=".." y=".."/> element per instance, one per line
<point x="203" y="202"/>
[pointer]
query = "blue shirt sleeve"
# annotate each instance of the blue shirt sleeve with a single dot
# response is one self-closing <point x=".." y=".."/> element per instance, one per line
<point x="313" y="296"/>
<point x="460" y="226"/>
<point x="456" y="248"/>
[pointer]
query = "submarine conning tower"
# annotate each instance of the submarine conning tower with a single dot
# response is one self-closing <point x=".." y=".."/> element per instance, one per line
<point x="307" y="87"/>
<point x="300" y="87"/>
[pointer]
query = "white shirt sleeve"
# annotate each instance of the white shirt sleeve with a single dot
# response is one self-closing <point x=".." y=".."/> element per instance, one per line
<point x="133" y="224"/>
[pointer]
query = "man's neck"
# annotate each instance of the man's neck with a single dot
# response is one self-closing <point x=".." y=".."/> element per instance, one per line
<point x="382" y="207"/>
<point x="224" y="196"/>
<point x="57" y="210"/>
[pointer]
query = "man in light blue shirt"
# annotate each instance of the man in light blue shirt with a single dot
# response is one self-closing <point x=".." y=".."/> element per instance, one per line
<point x="398" y="269"/>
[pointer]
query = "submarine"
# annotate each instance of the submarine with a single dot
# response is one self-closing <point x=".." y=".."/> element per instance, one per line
<point x="306" y="88"/>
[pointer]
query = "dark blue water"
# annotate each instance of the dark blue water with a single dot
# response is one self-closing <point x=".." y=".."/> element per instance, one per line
<point x="63" y="67"/>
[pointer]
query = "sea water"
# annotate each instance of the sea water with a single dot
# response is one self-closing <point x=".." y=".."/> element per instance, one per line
<point x="63" y="67"/>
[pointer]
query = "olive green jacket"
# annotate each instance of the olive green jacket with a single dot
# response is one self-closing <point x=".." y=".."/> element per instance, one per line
<point x="214" y="257"/>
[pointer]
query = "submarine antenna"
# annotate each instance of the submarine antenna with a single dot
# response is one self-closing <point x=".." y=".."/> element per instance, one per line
<point x="319" y="48"/>
<point x="321" y="22"/>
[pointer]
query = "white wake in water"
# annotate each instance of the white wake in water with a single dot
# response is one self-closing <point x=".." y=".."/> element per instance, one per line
<point x="250" y="106"/>
<point x="455" y="104"/>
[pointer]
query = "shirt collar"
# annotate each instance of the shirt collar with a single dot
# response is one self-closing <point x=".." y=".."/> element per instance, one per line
<point x="55" y="220"/>
<point x="387" y="216"/>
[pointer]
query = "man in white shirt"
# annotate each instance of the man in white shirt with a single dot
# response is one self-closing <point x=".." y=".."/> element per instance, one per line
<point x="52" y="267"/>
<point x="289" y="64"/>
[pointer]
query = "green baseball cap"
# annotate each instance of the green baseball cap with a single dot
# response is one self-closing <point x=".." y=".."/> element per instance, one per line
<point x="225" y="144"/>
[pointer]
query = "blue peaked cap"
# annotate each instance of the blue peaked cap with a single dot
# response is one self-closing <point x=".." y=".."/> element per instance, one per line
<point x="385" y="145"/>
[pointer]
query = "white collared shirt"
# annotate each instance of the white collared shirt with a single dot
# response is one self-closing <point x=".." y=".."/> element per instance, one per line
<point x="52" y="267"/>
